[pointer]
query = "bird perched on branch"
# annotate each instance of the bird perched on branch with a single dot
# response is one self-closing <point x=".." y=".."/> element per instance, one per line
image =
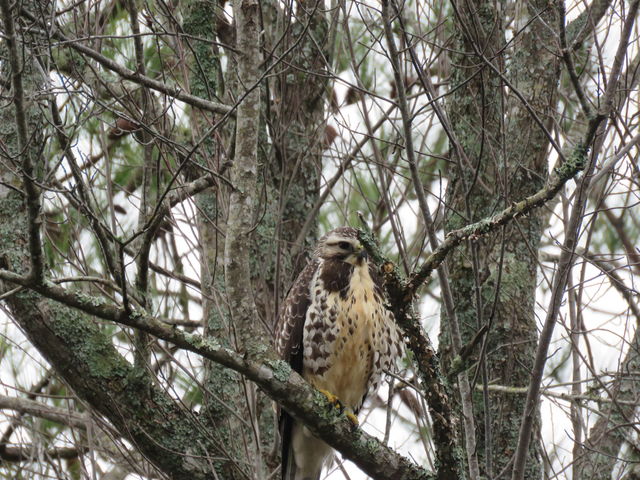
<point x="336" y="332"/>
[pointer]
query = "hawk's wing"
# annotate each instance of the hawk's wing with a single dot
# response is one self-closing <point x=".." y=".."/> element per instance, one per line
<point x="289" y="344"/>
<point x="292" y="316"/>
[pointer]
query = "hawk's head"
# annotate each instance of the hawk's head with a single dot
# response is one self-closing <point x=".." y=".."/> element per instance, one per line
<point x="342" y="244"/>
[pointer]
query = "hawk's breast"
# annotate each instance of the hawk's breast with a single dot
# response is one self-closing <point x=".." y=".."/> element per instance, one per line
<point x="349" y="336"/>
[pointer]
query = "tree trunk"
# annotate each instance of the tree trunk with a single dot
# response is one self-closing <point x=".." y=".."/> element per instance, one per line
<point x="501" y="158"/>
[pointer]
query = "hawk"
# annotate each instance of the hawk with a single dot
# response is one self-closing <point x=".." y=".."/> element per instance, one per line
<point x="336" y="332"/>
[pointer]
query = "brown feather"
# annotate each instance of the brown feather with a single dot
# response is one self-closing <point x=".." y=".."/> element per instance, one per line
<point x="289" y="342"/>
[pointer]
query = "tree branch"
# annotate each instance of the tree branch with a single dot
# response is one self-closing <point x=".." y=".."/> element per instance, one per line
<point x="568" y="60"/>
<point x="26" y="453"/>
<point x="103" y="235"/>
<point x="274" y="377"/>
<point x="574" y="165"/>
<point x="434" y="387"/>
<point x="451" y="464"/>
<point x="37" y="409"/>
<point x="243" y="177"/>
<point x="585" y="23"/>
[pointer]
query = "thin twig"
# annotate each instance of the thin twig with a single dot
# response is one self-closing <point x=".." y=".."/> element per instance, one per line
<point x="585" y="24"/>
<point x="568" y="60"/>
<point x="342" y="168"/>
<point x="137" y="77"/>
<point x="548" y="392"/>
<point x="102" y="232"/>
<point x="610" y="163"/>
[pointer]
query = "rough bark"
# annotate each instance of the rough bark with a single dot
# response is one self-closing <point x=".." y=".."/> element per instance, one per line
<point x="295" y="117"/>
<point x="222" y="388"/>
<point x="285" y="184"/>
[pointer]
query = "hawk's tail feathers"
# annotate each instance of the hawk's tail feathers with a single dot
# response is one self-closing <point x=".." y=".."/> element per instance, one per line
<point x="288" y="467"/>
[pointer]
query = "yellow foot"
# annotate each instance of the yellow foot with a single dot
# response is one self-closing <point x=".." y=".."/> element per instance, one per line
<point x="352" y="416"/>
<point x="331" y="398"/>
<point x="335" y="401"/>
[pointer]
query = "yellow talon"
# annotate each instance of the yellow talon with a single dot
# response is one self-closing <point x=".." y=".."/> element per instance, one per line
<point x="335" y="401"/>
<point x="331" y="398"/>
<point x="352" y="416"/>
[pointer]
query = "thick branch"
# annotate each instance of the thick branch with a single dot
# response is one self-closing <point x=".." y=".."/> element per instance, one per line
<point x="275" y="378"/>
<point x="244" y="173"/>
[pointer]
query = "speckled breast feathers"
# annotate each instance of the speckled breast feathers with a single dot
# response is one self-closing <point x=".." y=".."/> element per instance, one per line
<point x="338" y="328"/>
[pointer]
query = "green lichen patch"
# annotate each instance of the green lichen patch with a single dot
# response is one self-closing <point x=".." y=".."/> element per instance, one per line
<point x="281" y="369"/>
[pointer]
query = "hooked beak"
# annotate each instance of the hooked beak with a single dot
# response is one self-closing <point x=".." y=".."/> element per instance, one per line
<point x="361" y="254"/>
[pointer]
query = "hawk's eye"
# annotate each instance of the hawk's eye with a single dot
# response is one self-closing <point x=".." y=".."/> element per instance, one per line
<point x="344" y="245"/>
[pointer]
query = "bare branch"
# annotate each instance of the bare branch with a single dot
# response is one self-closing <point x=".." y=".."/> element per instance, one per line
<point x="563" y="174"/>
<point x="568" y="60"/>
<point x="41" y="410"/>
<point x="585" y="23"/>
<point x="26" y="453"/>
<point x="434" y="386"/>
<point x="136" y="77"/>
<point x="451" y="464"/>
